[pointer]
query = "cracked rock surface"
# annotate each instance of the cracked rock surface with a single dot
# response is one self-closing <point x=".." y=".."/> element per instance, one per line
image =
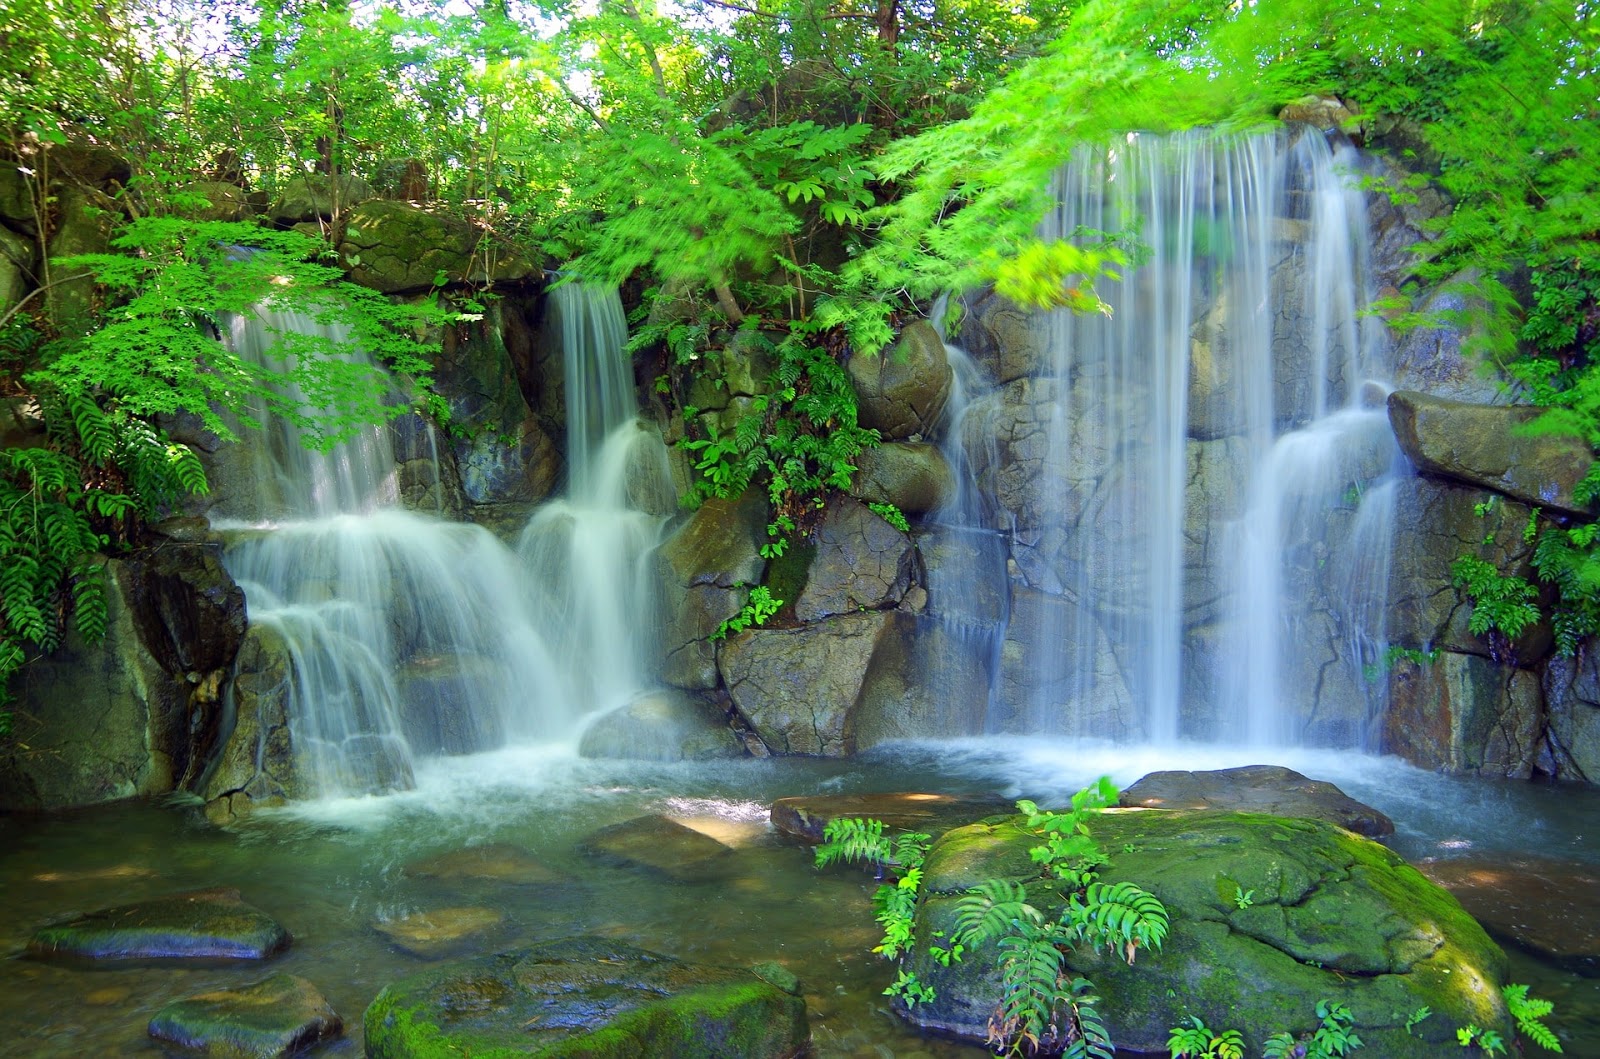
<point x="1326" y="915"/>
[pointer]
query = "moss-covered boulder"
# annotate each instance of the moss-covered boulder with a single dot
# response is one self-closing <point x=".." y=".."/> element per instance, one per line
<point x="275" y="1017"/>
<point x="199" y="925"/>
<point x="1327" y="915"/>
<point x="395" y="247"/>
<point x="589" y="998"/>
<point x="1270" y="789"/>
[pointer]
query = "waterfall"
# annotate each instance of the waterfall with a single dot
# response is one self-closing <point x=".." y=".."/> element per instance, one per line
<point x="407" y="635"/>
<point x="1185" y="478"/>
<point x="587" y="550"/>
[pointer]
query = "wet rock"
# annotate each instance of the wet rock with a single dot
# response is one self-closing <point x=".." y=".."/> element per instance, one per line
<point x="1078" y="691"/>
<point x="396" y="247"/>
<point x="666" y="725"/>
<point x="1548" y="907"/>
<point x="965" y="573"/>
<point x="662" y="845"/>
<point x="199" y="925"/>
<point x="1486" y="446"/>
<point x="928" y="678"/>
<point x="585" y="997"/>
<point x="1462" y="713"/>
<point x="495" y="861"/>
<point x="438" y="694"/>
<point x="902" y="392"/>
<point x="1332" y="916"/>
<point x="521" y="466"/>
<point x="316" y="196"/>
<point x="861" y="563"/>
<point x="914" y="477"/>
<point x="1572" y="711"/>
<point x="272" y="1018"/>
<point x="1270" y="789"/>
<point x="805" y="816"/>
<point x="703" y="569"/>
<point x="1434" y="359"/>
<point x="255" y="766"/>
<point x="1006" y="340"/>
<point x="797" y="687"/>
<point x="439" y="931"/>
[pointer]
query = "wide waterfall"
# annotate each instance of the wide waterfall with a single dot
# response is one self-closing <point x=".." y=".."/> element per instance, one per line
<point x="1187" y="482"/>
<point x="407" y="635"/>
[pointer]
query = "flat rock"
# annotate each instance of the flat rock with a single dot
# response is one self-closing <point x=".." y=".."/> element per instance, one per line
<point x="275" y="1017"/>
<point x="934" y="814"/>
<point x="496" y="861"/>
<point x="200" y="925"/>
<point x="1270" y="789"/>
<point x="439" y="931"/>
<point x="659" y="844"/>
<point x="589" y="997"/>
<point x="1548" y="907"/>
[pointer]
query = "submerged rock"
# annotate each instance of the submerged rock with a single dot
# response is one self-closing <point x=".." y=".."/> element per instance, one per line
<point x="439" y="931"/>
<point x="586" y="997"/>
<point x="1257" y="789"/>
<point x="275" y="1017"/>
<point x="1327" y="915"/>
<point x="934" y="814"/>
<point x="496" y="861"/>
<point x="659" y="844"/>
<point x="1545" y="906"/>
<point x="199" y="925"/>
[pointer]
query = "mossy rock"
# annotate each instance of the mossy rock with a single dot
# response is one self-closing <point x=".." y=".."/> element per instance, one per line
<point x="204" y="925"/>
<point x="275" y="1017"/>
<point x="1329" y="916"/>
<point x="585" y="998"/>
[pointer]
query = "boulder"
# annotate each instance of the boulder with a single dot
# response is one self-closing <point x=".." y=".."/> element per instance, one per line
<point x="1080" y="690"/>
<point x="437" y="699"/>
<point x="213" y="200"/>
<point x="704" y="568"/>
<point x="83" y="226"/>
<point x="1320" y="112"/>
<point x="255" y="765"/>
<point x="1435" y="359"/>
<point x="1004" y="339"/>
<point x="913" y="476"/>
<point x="1328" y="916"/>
<point x="1270" y="789"/>
<point x="1542" y="905"/>
<point x="1572" y="711"/>
<point x="312" y="197"/>
<point x="1465" y="714"/>
<point x="797" y="687"/>
<point x="439" y="932"/>
<point x="273" y="1018"/>
<point x="199" y="925"/>
<point x="902" y="392"/>
<point x="396" y="247"/>
<point x="494" y="862"/>
<point x="861" y="563"/>
<point x="805" y="816"/>
<point x="928" y="678"/>
<point x="665" y="725"/>
<point x="1489" y="446"/>
<point x="17" y="256"/>
<point x="588" y="997"/>
<point x="662" y="845"/>
<point x="16" y="200"/>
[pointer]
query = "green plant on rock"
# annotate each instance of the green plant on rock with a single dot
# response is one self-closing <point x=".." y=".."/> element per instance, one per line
<point x="756" y="610"/>
<point x="898" y="859"/>
<point x="1472" y="1036"/>
<point x="1529" y="1014"/>
<point x="1196" y="1041"/>
<point x="1333" y="1038"/>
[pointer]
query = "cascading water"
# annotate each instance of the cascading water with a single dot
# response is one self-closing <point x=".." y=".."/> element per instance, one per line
<point x="587" y="551"/>
<point x="405" y="634"/>
<point x="1180" y="480"/>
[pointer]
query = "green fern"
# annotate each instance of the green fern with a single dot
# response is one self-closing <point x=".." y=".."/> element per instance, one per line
<point x="1196" y="1041"/>
<point x="1529" y="1014"/>
<point x="852" y="840"/>
<point x="1118" y="916"/>
<point x="992" y="909"/>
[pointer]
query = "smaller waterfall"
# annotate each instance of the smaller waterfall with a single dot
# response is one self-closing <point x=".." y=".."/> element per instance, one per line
<point x="587" y="551"/>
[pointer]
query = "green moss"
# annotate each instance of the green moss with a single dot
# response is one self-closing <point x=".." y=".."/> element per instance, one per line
<point x="788" y="573"/>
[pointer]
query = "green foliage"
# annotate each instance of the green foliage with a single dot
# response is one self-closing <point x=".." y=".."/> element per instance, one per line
<point x="756" y="610"/>
<point x="1243" y="898"/>
<point x="890" y="514"/>
<point x="1529" y="1014"/>
<point x="1396" y="653"/>
<point x="1472" y="1036"/>
<point x="1333" y="1038"/>
<point x="1196" y="1041"/>
<point x="852" y="840"/>
<point x="1501" y="603"/>
<point x="1417" y="1017"/>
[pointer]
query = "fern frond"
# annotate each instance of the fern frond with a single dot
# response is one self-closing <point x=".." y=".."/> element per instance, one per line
<point x="1118" y="915"/>
<point x="852" y="840"/>
<point x="992" y="909"/>
<point x="95" y="432"/>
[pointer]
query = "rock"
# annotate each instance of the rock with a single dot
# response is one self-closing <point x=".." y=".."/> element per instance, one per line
<point x="902" y="392"/>
<point x="1486" y="446"/>
<point x="1465" y="714"/>
<point x="395" y="247"/>
<point x="664" y="725"/>
<point x="1332" y="916"/>
<point x="965" y="573"/>
<point x="255" y="766"/>
<point x="17" y="256"/>
<point x="438" y="694"/>
<point x="703" y="569"/>
<point x="928" y="678"/>
<point x="439" y="931"/>
<point x="496" y="862"/>
<point x="273" y="1018"/>
<point x="585" y="997"/>
<point x="1320" y="112"/>
<point x="1548" y="907"/>
<point x="213" y="200"/>
<point x="805" y="816"/>
<point x="1572" y="709"/>
<point x="200" y="925"/>
<point x="316" y="197"/>
<point x="96" y="722"/>
<point x="1434" y="358"/>
<point x="83" y="226"/>
<point x="1270" y="789"/>
<point x="913" y="476"/>
<point x="1005" y="340"/>
<point x="1043" y="688"/>
<point x="16" y="200"/>
<point x="661" y="845"/>
<point x="797" y="687"/>
<point x="861" y="563"/>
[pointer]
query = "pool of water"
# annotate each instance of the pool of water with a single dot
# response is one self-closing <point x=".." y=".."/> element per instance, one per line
<point x="330" y="870"/>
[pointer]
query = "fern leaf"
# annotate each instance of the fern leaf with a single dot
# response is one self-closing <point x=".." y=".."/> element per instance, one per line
<point x="992" y="910"/>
